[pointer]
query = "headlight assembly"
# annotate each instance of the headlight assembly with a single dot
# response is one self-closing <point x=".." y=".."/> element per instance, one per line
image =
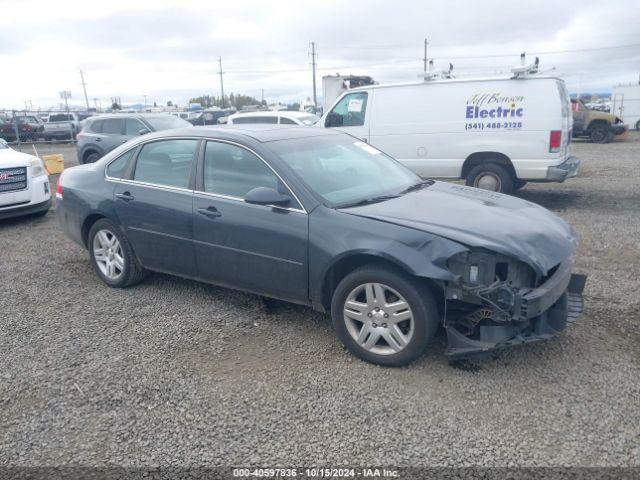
<point x="37" y="167"/>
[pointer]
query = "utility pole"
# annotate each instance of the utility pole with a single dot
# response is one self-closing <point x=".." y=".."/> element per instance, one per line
<point x="95" y="103"/>
<point x="262" y="95"/>
<point x="84" y="87"/>
<point x="145" y="102"/>
<point x="425" y="54"/>
<point x="313" y="65"/>
<point x="220" y="72"/>
<point x="66" y="95"/>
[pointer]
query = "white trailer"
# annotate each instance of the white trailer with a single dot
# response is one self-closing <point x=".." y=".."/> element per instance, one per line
<point x="625" y="103"/>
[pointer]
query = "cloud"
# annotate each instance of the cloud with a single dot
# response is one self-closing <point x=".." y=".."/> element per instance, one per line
<point x="168" y="49"/>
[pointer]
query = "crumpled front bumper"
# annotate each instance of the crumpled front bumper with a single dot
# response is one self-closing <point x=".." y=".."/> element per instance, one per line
<point x="544" y="312"/>
<point x="567" y="169"/>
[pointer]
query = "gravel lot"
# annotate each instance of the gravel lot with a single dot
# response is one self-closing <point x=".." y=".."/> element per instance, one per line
<point x="174" y="372"/>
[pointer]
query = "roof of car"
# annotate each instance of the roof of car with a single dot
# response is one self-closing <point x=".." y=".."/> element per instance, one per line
<point x="259" y="132"/>
<point x="273" y="113"/>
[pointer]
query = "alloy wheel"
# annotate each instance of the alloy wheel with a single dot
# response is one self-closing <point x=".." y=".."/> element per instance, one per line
<point x="378" y="318"/>
<point x="108" y="255"/>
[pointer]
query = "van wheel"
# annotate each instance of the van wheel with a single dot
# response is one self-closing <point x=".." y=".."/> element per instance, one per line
<point x="490" y="176"/>
<point x="600" y="134"/>
<point x="383" y="316"/>
<point x="112" y="256"/>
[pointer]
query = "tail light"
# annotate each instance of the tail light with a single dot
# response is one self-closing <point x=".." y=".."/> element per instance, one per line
<point x="555" y="141"/>
<point x="59" y="188"/>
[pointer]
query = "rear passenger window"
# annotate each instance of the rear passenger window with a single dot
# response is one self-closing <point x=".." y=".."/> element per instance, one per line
<point x="167" y="162"/>
<point x="112" y="126"/>
<point x="96" y="126"/>
<point x="287" y="121"/>
<point x="118" y="167"/>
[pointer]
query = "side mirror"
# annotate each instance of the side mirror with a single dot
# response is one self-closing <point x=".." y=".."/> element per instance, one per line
<point x="333" y="120"/>
<point x="143" y="131"/>
<point x="266" y="196"/>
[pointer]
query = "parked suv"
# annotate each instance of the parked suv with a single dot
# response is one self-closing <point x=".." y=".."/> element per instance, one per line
<point x="103" y="133"/>
<point x="600" y="127"/>
<point x="24" y="184"/>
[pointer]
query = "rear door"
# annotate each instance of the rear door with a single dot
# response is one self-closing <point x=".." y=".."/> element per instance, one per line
<point x="112" y="134"/>
<point x="257" y="248"/>
<point x="352" y="110"/>
<point x="155" y="202"/>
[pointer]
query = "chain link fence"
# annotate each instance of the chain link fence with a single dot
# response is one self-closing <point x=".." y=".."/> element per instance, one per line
<point x="50" y="126"/>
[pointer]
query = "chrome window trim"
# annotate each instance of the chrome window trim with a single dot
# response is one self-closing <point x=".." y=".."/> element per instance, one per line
<point x="211" y="194"/>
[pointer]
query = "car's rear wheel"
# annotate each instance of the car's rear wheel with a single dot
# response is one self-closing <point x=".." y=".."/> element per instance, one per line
<point x="112" y="256"/>
<point x="600" y="134"/>
<point x="490" y="176"/>
<point x="383" y="316"/>
<point x="92" y="158"/>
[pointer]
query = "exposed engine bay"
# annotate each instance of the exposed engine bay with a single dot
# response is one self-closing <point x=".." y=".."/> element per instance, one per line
<point x="500" y="301"/>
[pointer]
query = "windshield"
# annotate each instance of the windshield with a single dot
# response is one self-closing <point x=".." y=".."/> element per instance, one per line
<point x="165" y="122"/>
<point x="343" y="170"/>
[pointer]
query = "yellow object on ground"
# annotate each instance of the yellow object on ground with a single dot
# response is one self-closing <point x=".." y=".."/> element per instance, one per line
<point x="54" y="163"/>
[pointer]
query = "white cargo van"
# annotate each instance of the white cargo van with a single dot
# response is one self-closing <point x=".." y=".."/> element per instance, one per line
<point x="625" y="103"/>
<point x="496" y="133"/>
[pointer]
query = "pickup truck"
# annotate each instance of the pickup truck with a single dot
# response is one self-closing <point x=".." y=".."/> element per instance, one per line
<point x="61" y="125"/>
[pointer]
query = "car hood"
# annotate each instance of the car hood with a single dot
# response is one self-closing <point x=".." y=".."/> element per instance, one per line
<point x="481" y="219"/>
<point x="10" y="158"/>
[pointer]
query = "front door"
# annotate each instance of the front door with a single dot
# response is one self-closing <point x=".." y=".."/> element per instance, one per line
<point x="350" y="115"/>
<point x="257" y="248"/>
<point x="155" y="206"/>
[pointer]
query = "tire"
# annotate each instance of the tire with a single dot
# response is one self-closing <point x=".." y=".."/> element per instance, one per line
<point x="518" y="184"/>
<point x="91" y="158"/>
<point x="638" y="125"/>
<point x="127" y="271"/>
<point x="416" y="331"/>
<point x="600" y="134"/>
<point x="494" y="173"/>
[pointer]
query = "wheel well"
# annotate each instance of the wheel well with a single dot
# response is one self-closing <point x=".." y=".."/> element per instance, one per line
<point x="478" y="158"/>
<point x="346" y="265"/>
<point x="86" y="226"/>
<point x="597" y="123"/>
<point x="88" y="152"/>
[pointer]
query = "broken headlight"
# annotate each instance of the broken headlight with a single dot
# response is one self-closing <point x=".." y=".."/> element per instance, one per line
<point x="484" y="268"/>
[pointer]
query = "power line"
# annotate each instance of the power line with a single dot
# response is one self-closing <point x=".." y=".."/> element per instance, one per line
<point x="454" y="57"/>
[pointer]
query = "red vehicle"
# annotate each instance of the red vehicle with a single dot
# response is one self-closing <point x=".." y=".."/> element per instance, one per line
<point x="30" y="127"/>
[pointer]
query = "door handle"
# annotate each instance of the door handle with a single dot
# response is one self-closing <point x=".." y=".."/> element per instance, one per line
<point x="98" y="139"/>
<point x="126" y="196"/>
<point x="365" y="140"/>
<point x="211" y="212"/>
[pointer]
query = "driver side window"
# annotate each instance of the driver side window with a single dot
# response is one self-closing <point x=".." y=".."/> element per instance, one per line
<point x="352" y="108"/>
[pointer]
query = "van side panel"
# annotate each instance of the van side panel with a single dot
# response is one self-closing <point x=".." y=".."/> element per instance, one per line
<point x="433" y="127"/>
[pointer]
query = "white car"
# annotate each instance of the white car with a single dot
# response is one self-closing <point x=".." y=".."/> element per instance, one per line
<point x="495" y="133"/>
<point x="24" y="184"/>
<point x="281" y="117"/>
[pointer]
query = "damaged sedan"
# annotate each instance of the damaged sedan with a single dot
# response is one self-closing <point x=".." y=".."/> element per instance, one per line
<point x="320" y="218"/>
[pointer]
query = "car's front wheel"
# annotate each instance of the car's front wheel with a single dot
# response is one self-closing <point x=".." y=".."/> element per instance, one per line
<point x="112" y="256"/>
<point x="384" y="316"/>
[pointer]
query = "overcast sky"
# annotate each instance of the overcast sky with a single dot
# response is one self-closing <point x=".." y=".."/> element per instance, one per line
<point x="168" y="50"/>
